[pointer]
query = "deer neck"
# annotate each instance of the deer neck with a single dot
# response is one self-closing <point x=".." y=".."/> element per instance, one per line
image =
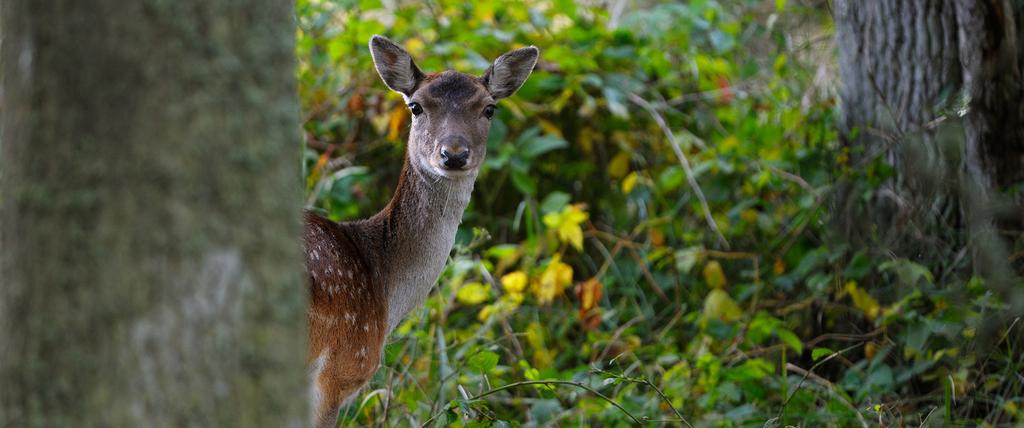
<point x="420" y="224"/>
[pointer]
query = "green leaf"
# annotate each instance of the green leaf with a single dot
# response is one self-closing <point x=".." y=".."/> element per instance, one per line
<point x="540" y="145"/>
<point x="908" y="272"/>
<point x="790" y="339"/>
<point x="554" y="202"/>
<point x="687" y="258"/>
<point x="719" y="306"/>
<point x="616" y="102"/>
<point x="523" y="183"/>
<point x="818" y="353"/>
<point x="483" y="362"/>
<point x="858" y="267"/>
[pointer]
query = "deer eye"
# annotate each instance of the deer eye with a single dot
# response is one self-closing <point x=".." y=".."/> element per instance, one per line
<point x="416" y="108"/>
<point x="489" y="111"/>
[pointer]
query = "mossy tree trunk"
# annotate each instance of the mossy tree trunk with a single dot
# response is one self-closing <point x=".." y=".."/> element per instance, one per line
<point x="149" y="217"/>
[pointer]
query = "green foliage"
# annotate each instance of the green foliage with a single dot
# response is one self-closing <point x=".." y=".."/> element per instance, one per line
<point x="586" y="256"/>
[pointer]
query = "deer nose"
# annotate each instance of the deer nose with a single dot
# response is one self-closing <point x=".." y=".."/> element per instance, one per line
<point x="454" y="152"/>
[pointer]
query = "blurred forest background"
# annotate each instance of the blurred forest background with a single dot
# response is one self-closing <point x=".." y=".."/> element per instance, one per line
<point x="676" y="222"/>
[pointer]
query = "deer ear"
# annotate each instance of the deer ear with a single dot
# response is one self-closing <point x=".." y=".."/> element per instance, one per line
<point x="509" y="71"/>
<point x="394" y="65"/>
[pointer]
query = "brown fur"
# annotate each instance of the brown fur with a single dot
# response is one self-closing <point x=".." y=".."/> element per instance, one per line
<point x="347" y="314"/>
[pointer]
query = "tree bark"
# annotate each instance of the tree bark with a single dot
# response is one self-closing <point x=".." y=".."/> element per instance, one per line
<point x="149" y="215"/>
<point x="907" y="67"/>
<point x="990" y="54"/>
<point x="900" y="72"/>
<point x="935" y="87"/>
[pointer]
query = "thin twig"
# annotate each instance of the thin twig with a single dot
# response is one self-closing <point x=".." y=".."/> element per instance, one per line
<point x="809" y="372"/>
<point x="505" y="326"/>
<point x="645" y="381"/>
<point x="667" y="401"/>
<point x="796" y="179"/>
<point x="558" y="382"/>
<point x="544" y="382"/>
<point x="615" y="336"/>
<point x="686" y="166"/>
<point x="648" y="275"/>
<point x="831" y="389"/>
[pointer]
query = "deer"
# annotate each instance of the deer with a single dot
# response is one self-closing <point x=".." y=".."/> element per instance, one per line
<point x="365" y="276"/>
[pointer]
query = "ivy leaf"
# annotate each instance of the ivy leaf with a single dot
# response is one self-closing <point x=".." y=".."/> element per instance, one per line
<point x="818" y="353"/>
<point x="483" y="362"/>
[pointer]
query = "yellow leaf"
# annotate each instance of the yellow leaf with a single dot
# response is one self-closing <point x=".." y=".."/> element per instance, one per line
<point x="514" y="282"/>
<point x="657" y="237"/>
<point x="395" y="121"/>
<point x="314" y="175"/>
<point x="566" y="224"/>
<point x="589" y="293"/>
<point x="629" y="182"/>
<point x="870" y="349"/>
<point x="542" y="357"/>
<point x="713" y="275"/>
<point x="720" y="306"/>
<point x="552" y="281"/>
<point x="779" y="267"/>
<point x="535" y="335"/>
<point x="1011" y="407"/>
<point x="749" y="215"/>
<point x="486" y="312"/>
<point x="619" y="165"/>
<point x="862" y="300"/>
<point x="515" y="298"/>
<point x="550" y="128"/>
<point x="473" y="293"/>
<point x="586" y="140"/>
<point x="729" y="143"/>
<point x="414" y="46"/>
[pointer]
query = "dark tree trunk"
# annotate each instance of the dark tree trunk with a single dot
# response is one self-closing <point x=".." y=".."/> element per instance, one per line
<point x="933" y="87"/>
<point x="990" y="54"/>
<point x="900" y="70"/>
<point x="907" y="66"/>
<point x="149" y="215"/>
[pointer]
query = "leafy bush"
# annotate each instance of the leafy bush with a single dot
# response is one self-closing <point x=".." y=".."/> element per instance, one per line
<point x="648" y="237"/>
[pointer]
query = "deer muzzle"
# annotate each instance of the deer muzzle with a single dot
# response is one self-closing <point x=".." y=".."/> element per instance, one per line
<point x="454" y="152"/>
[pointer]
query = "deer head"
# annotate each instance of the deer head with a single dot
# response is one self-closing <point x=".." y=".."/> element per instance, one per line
<point x="451" y="111"/>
